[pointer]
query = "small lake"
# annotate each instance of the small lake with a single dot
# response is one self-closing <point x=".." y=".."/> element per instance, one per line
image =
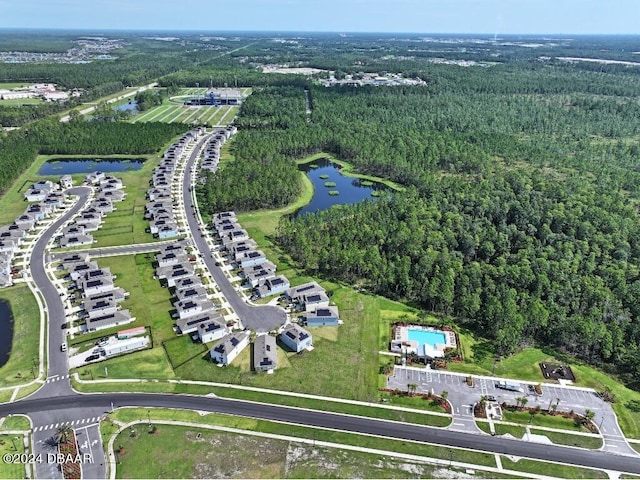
<point x="69" y="166"/>
<point x="130" y="106"/>
<point x="6" y="332"/>
<point x="350" y="190"/>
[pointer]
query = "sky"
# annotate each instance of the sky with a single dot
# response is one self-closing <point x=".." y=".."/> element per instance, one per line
<point x="411" y="16"/>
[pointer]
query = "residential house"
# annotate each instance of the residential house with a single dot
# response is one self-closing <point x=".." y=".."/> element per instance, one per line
<point x="273" y="286"/>
<point x="100" y="307"/>
<point x="94" y="178"/>
<point x="110" y="182"/>
<point x="113" y="195"/>
<point x="187" y="282"/>
<point x="168" y="231"/>
<point x="26" y="221"/>
<point x="313" y="301"/>
<point x="35" y="195"/>
<point x="95" y="287"/>
<point x="174" y="273"/>
<point x="265" y="355"/>
<point x="8" y="245"/>
<point x="193" y="306"/>
<point x="233" y="236"/>
<point x="322" y="317"/>
<point x="296" y="294"/>
<point x="78" y="270"/>
<point x="76" y="240"/>
<point x="295" y="337"/>
<point x="190" y="324"/>
<point x="68" y="259"/>
<point x="229" y="346"/>
<point x="191" y="293"/>
<point x="213" y="330"/>
<point x="257" y="276"/>
<point x="252" y="258"/>
<point x="120" y="317"/>
<point x="171" y="258"/>
<point x="66" y="182"/>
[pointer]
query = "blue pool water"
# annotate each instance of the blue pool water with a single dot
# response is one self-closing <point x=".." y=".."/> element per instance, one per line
<point x="427" y="337"/>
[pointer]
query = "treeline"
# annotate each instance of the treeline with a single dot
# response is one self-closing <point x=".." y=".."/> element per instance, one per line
<point x="519" y="220"/>
<point x="19" y="148"/>
<point x="261" y="176"/>
<point x="521" y="258"/>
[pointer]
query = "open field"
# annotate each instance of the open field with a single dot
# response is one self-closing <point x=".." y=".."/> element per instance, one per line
<point x="551" y="469"/>
<point x="215" y="454"/>
<point x="16" y="422"/>
<point x="25" y="347"/>
<point x="176" y="113"/>
<point x="16" y="102"/>
<point x="415" y="448"/>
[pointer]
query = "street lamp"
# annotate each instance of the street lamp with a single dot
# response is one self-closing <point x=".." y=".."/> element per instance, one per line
<point x="149" y="417"/>
<point x="450" y="458"/>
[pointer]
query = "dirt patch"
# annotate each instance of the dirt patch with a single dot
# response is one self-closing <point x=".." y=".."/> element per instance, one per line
<point x="555" y="371"/>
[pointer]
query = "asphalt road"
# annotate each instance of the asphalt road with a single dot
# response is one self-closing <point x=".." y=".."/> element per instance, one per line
<point x="260" y="318"/>
<point x="53" y="303"/>
<point x="448" y="438"/>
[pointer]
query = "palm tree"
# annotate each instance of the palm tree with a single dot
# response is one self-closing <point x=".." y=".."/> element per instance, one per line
<point x="63" y="432"/>
<point x="411" y="388"/>
<point x="524" y="401"/>
<point x="589" y="415"/>
<point x="444" y="395"/>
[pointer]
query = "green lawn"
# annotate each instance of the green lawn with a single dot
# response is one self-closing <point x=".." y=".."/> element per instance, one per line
<point x="571" y="440"/>
<point x="415" y="448"/>
<point x="543" y="420"/>
<point x="25" y="346"/>
<point x="7" y="444"/>
<point x="215" y="454"/>
<point x="16" y="102"/>
<point x="551" y="469"/>
<point x="16" y="422"/>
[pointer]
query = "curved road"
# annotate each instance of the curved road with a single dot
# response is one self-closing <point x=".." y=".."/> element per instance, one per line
<point x="57" y="360"/>
<point x="102" y="403"/>
<point x="261" y="318"/>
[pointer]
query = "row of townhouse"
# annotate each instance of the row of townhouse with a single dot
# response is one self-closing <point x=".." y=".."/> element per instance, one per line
<point x="195" y="314"/>
<point x="100" y="298"/>
<point x="159" y="208"/>
<point x="211" y="154"/>
<point x="258" y="272"/>
<point x="108" y="191"/>
<point x="50" y="199"/>
<point x="312" y="300"/>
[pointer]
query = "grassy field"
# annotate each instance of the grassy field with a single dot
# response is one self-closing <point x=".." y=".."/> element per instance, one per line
<point x="150" y="304"/>
<point x="172" y="112"/>
<point x="11" y="444"/>
<point x="542" y="420"/>
<point x="215" y="454"/>
<point x="415" y="448"/>
<point x="126" y="225"/>
<point x="25" y="347"/>
<point x="558" y="438"/>
<point x="16" y="102"/>
<point x="551" y="469"/>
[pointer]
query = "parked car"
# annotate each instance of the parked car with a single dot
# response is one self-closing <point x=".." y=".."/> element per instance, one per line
<point x="63" y="347"/>
<point x="91" y="358"/>
<point x="491" y="398"/>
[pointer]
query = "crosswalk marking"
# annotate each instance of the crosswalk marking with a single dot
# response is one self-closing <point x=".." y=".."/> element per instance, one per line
<point x="56" y="378"/>
<point x="88" y="421"/>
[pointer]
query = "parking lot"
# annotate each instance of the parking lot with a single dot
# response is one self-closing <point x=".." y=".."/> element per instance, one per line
<point x="463" y="397"/>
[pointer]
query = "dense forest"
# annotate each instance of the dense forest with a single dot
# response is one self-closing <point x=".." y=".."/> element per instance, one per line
<point x="521" y="217"/>
<point x="19" y="148"/>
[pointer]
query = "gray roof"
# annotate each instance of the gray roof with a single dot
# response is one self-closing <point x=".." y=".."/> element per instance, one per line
<point x="265" y="355"/>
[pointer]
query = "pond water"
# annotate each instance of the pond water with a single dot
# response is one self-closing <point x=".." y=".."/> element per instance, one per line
<point x="6" y="332"/>
<point x="69" y="166"/>
<point x="131" y="105"/>
<point x="350" y="190"/>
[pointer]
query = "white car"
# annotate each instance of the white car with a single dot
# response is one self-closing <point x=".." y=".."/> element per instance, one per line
<point x="63" y="347"/>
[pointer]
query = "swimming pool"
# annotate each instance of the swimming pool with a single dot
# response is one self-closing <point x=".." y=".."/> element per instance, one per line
<point x="426" y="337"/>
